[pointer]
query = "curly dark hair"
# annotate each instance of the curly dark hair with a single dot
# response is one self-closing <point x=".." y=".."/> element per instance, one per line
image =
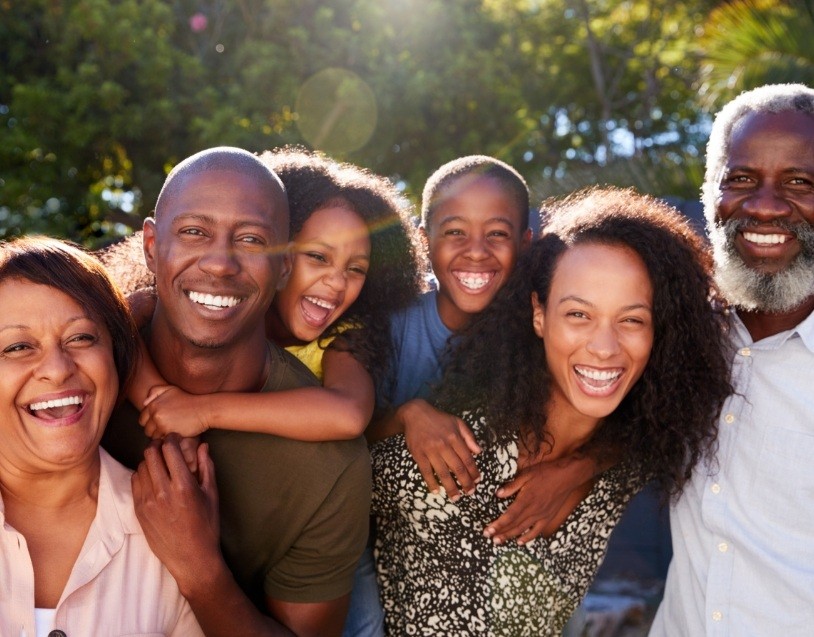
<point x="668" y="421"/>
<point x="313" y="181"/>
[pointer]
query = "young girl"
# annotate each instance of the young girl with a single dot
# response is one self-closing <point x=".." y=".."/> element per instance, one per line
<point x="354" y="258"/>
<point x="603" y="335"/>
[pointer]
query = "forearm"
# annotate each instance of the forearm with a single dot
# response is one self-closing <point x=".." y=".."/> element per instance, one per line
<point x="145" y="378"/>
<point x="222" y="609"/>
<point x="306" y="413"/>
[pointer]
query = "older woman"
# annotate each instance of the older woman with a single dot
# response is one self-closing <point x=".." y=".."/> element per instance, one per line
<point x="603" y="337"/>
<point x="73" y="558"/>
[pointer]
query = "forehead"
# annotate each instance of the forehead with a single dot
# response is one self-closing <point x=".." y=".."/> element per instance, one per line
<point x="786" y="136"/>
<point x="597" y="269"/>
<point x="27" y="303"/>
<point x="471" y="197"/>
<point x="225" y="195"/>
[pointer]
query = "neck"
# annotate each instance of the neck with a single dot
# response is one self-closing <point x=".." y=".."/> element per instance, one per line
<point x="57" y="490"/>
<point x="764" y="324"/>
<point x="241" y="367"/>
<point x="569" y="429"/>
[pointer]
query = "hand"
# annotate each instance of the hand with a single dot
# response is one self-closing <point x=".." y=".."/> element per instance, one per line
<point x="168" y="409"/>
<point x="442" y="446"/>
<point x="540" y="489"/>
<point x="178" y="513"/>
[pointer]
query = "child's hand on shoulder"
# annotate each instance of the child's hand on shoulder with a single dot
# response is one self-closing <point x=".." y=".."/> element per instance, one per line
<point x="169" y="409"/>
<point x="442" y="446"/>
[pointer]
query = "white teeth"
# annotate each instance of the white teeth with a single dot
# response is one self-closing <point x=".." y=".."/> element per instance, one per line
<point x="764" y="239"/>
<point x="320" y="302"/>
<point x="213" y="301"/>
<point x="595" y="374"/>
<point x="474" y="280"/>
<point x="60" y="402"/>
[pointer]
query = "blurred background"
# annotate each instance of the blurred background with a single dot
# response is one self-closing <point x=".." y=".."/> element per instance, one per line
<point x="100" y="98"/>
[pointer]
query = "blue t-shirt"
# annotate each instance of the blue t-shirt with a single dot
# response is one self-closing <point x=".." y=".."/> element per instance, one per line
<point x="419" y="346"/>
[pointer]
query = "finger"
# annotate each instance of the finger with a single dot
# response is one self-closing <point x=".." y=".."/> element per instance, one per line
<point x="512" y="523"/>
<point x="468" y="437"/>
<point x="462" y="465"/>
<point x="154" y="393"/>
<point x="532" y="533"/>
<point x="445" y="477"/>
<point x="512" y="487"/>
<point x="174" y="458"/>
<point x="425" y="467"/>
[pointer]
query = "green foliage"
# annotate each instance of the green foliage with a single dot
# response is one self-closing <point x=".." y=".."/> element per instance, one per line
<point x="748" y="43"/>
<point x="100" y="98"/>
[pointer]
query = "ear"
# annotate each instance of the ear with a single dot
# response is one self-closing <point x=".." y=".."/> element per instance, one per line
<point x="286" y="263"/>
<point x="525" y="240"/>
<point x="425" y="238"/>
<point x="537" y="315"/>
<point x="148" y="242"/>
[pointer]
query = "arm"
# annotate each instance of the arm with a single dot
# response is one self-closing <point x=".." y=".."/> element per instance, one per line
<point x="441" y="445"/>
<point x="339" y="410"/>
<point x="322" y="619"/>
<point x="541" y="490"/>
<point x="179" y="516"/>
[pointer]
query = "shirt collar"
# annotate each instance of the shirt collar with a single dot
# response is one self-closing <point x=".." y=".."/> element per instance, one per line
<point x="804" y="330"/>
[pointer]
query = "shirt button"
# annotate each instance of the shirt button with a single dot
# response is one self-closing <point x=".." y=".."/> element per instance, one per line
<point x="57" y="633"/>
<point x="729" y="418"/>
<point x="723" y="547"/>
<point x="717" y="616"/>
<point x="745" y="351"/>
<point x="715" y="488"/>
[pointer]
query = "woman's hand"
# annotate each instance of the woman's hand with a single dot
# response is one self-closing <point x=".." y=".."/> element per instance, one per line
<point x="442" y="446"/>
<point x="169" y="409"/>
<point x="179" y="513"/>
<point x="541" y="490"/>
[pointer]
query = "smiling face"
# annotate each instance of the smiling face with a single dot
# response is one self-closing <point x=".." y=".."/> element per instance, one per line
<point x="474" y="240"/>
<point x="59" y="379"/>
<point x="597" y="328"/>
<point x="217" y="250"/>
<point x="330" y="264"/>
<point x="763" y="236"/>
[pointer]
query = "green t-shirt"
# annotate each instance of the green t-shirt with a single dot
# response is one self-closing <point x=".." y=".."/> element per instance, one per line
<point x="294" y="515"/>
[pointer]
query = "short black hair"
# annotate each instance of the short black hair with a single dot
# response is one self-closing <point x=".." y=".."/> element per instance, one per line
<point x="474" y="167"/>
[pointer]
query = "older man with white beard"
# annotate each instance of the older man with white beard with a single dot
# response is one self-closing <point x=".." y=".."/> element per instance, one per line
<point x="743" y="530"/>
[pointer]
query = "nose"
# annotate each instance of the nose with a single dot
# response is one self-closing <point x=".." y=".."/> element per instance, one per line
<point x="476" y="248"/>
<point x="56" y="365"/>
<point x="336" y="279"/>
<point x="219" y="260"/>
<point x="603" y="342"/>
<point x="767" y="203"/>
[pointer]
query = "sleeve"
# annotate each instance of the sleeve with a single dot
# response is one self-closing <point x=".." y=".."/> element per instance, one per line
<point x="321" y="564"/>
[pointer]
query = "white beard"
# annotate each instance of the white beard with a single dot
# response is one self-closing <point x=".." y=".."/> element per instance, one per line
<point x="758" y="291"/>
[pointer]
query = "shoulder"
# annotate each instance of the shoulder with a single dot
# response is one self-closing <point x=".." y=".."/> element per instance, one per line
<point x="287" y="371"/>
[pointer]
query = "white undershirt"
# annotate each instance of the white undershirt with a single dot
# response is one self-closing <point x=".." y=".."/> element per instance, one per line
<point x="44" y="620"/>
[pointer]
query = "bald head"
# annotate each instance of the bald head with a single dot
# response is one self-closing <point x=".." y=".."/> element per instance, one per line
<point x="226" y="159"/>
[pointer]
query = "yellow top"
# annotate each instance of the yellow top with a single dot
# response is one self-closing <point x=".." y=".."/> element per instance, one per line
<point x="311" y="354"/>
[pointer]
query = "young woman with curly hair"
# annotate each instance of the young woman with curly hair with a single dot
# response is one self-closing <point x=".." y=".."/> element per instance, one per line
<point x="354" y="261"/>
<point x="603" y="338"/>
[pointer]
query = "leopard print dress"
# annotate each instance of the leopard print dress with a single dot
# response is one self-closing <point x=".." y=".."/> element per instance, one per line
<point x="438" y="575"/>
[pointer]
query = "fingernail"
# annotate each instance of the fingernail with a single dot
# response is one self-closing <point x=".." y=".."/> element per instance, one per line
<point x="499" y="493"/>
<point x="488" y="531"/>
<point x="497" y="541"/>
<point x="471" y="491"/>
<point x="456" y="497"/>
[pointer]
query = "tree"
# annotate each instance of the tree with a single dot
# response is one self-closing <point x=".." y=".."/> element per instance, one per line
<point x="748" y="43"/>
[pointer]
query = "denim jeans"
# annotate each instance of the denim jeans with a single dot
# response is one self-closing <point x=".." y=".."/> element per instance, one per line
<point x="365" y="615"/>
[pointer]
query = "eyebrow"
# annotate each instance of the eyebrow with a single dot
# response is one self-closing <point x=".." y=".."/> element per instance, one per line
<point x="204" y="218"/>
<point x="27" y="328"/>
<point x="461" y="219"/>
<point x="626" y="308"/>
<point x="304" y="245"/>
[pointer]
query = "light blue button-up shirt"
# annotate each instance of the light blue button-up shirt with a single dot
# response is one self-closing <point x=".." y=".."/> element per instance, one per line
<point x="743" y="532"/>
